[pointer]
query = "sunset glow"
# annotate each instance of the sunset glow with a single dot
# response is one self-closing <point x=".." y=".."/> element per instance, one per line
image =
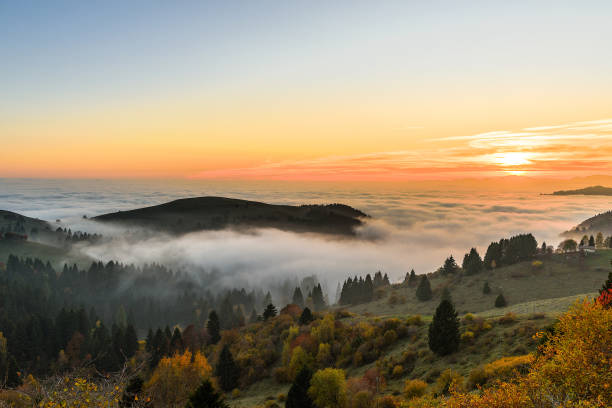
<point x="342" y="91"/>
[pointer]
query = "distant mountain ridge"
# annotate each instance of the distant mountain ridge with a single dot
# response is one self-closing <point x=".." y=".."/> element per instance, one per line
<point x="593" y="190"/>
<point x="216" y="213"/>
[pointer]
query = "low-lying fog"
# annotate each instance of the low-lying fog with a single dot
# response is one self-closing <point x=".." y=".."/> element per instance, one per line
<point x="409" y="229"/>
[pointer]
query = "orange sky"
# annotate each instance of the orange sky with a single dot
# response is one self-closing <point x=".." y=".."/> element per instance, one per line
<point x="334" y="91"/>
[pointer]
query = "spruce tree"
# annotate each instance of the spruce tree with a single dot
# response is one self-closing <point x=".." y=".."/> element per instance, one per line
<point x="298" y="397"/>
<point x="298" y="298"/>
<point x="131" y="341"/>
<point x="317" y="298"/>
<point x="205" y="396"/>
<point x="213" y="327"/>
<point x="306" y="317"/>
<point x="500" y="301"/>
<point x="227" y="371"/>
<point x="412" y="280"/>
<point x="269" y="312"/>
<point x="608" y="283"/>
<point x="423" y="291"/>
<point x="450" y="266"/>
<point x="444" y="330"/>
<point x="486" y="289"/>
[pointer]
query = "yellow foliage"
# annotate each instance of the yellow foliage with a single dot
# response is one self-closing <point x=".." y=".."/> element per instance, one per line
<point x="81" y="393"/>
<point x="414" y="388"/>
<point x="324" y="331"/>
<point x="328" y="388"/>
<point x="176" y="377"/>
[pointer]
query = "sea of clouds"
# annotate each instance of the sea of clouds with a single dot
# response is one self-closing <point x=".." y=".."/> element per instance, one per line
<point x="408" y="229"/>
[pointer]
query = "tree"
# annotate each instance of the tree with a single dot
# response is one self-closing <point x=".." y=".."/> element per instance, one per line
<point x="569" y="245"/>
<point x="486" y="289"/>
<point x="591" y="241"/>
<point x="131" y="341"/>
<point x="205" y="396"/>
<point x="298" y="298"/>
<point x="493" y="256"/>
<point x="269" y="312"/>
<point x="450" y="266"/>
<point x="500" y="301"/>
<point x="298" y="397"/>
<point x="317" y="298"/>
<point x="423" y="291"/>
<point x="306" y="317"/>
<point x="472" y="262"/>
<point x="213" y="327"/>
<point x="444" y="330"/>
<point x="412" y="279"/>
<point x="227" y="371"/>
<point x="599" y="240"/>
<point x="176" y="377"/>
<point x="328" y="388"/>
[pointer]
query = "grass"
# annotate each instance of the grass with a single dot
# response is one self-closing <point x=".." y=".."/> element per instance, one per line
<point x="560" y="279"/>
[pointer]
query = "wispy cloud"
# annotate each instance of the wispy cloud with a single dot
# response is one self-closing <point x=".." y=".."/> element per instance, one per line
<point x="571" y="149"/>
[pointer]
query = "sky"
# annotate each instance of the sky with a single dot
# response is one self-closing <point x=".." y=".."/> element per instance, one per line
<point x="312" y="90"/>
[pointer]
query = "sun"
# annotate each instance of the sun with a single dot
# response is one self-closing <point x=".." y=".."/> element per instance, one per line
<point x="512" y="158"/>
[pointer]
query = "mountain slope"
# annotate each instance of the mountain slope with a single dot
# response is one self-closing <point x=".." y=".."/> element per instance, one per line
<point x="215" y="213"/>
<point x="593" y="190"/>
<point x="599" y="223"/>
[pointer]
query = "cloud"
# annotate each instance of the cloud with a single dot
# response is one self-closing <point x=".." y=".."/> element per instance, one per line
<point x="572" y="149"/>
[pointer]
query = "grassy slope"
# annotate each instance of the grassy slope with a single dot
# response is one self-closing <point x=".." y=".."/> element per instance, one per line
<point x="560" y="277"/>
<point x="536" y="295"/>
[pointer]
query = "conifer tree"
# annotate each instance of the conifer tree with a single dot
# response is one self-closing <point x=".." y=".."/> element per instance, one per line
<point x="227" y="371"/>
<point x="450" y="266"/>
<point x="423" y="291"/>
<point x="444" y="330"/>
<point x="298" y="397"/>
<point x="131" y="341"/>
<point x="205" y="396"/>
<point x="412" y="280"/>
<point x="306" y="317"/>
<point x="298" y="297"/>
<point x="269" y="312"/>
<point x="486" y="289"/>
<point x="591" y="241"/>
<point x="213" y="327"/>
<point x="500" y="301"/>
<point x="317" y="298"/>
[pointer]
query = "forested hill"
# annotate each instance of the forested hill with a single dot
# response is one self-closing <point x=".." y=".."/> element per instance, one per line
<point x="593" y="190"/>
<point x="214" y="213"/>
<point x="599" y="223"/>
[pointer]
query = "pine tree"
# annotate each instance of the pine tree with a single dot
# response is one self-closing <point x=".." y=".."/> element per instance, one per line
<point x="298" y="397"/>
<point x="213" y="327"/>
<point x="500" y="301"/>
<point x="317" y="298"/>
<point x="450" y="266"/>
<point x="131" y="341"/>
<point x="472" y="263"/>
<point x="444" y="330"/>
<point x="227" y="371"/>
<point x="608" y="283"/>
<point x="306" y="317"/>
<point x="591" y="241"/>
<point x="269" y="312"/>
<point x="412" y="280"/>
<point x="205" y="396"/>
<point x="423" y="291"/>
<point x="486" y="289"/>
<point x="298" y="298"/>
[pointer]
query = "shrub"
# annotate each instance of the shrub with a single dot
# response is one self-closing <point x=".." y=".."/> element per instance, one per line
<point x="500" y="301"/>
<point x="467" y="336"/>
<point x="414" y="388"/>
<point x="447" y="381"/>
<point x="397" y="372"/>
<point x="328" y="388"/>
<point x="415" y="320"/>
<point x="508" y="318"/>
<point x="387" y="401"/>
<point x="537" y="264"/>
<point x="362" y="399"/>
<point x="390" y="337"/>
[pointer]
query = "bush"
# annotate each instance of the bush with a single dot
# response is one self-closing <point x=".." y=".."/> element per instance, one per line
<point x="362" y="399"/>
<point x="500" y="301"/>
<point x="397" y="372"/>
<point x="414" y="388"/>
<point x="447" y="381"/>
<point x="387" y="401"/>
<point x="507" y="318"/>
<point x="467" y="336"/>
<point x="415" y="320"/>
